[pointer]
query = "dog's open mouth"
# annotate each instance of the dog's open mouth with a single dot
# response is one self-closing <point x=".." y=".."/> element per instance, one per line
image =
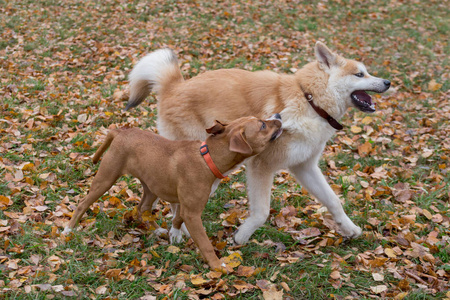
<point x="276" y="134"/>
<point x="363" y="101"/>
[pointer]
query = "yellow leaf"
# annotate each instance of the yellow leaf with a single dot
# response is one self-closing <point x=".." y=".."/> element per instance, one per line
<point x="147" y="216"/>
<point x="355" y="129"/>
<point x="390" y="253"/>
<point x="233" y="260"/>
<point x="155" y="254"/>
<point x="28" y="167"/>
<point x="367" y="120"/>
<point x="5" y="201"/>
<point x="197" y="279"/>
<point x="173" y="249"/>
<point x="427" y="214"/>
<point x="401" y="295"/>
<point x="433" y="85"/>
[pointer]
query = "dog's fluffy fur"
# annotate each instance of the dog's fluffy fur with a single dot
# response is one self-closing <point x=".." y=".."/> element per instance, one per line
<point x="185" y="108"/>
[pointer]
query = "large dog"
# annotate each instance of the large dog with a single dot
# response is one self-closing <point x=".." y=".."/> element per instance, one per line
<point x="310" y="102"/>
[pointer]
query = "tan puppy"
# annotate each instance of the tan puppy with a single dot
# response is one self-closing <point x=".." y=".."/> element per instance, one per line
<point x="177" y="171"/>
<point x="311" y="102"/>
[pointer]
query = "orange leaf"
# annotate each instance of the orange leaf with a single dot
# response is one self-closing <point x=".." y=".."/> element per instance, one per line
<point x="364" y="149"/>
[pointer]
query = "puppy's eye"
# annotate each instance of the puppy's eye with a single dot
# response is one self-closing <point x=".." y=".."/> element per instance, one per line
<point x="360" y="74"/>
<point x="263" y="126"/>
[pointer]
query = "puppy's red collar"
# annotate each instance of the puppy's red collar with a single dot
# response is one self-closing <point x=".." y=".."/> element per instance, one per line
<point x="204" y="151"/>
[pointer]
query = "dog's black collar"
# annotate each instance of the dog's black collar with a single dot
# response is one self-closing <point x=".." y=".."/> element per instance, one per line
<point x="332" y="121"/>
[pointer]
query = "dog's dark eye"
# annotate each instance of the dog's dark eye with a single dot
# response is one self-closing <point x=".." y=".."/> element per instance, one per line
<point x="360" y="74"/>
<point x="263" y="126"/>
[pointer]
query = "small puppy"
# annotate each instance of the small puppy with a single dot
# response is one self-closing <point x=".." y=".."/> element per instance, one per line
<point x="179" y="171"/>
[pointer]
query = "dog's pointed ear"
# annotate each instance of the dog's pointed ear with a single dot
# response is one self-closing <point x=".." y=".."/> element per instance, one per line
<point x="218" y="128"/>
<point x="324" y="55"/>
<point x="239" y="144"/>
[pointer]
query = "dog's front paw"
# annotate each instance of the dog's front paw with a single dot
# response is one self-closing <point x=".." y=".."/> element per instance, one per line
<point x="350" y="230"/>
<point x="175" y="235"/>
<point x="240" y="238"/>
<point x="67" y="230"/>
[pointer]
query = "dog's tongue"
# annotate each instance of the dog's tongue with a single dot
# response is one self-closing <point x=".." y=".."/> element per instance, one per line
<point x="363" y="96"/>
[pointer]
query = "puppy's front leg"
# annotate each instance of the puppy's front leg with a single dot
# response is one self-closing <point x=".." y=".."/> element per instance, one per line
<point x="312" y="179"/>
<point x="191" y="215"/>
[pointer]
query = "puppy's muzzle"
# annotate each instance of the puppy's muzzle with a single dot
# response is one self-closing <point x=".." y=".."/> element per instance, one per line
<point x="277" y="119"/>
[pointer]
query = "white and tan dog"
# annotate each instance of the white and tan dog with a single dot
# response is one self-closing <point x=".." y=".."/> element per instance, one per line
<point x="310" y="102"/>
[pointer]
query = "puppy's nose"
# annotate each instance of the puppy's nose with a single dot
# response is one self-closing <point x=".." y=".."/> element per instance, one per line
<point x="387" y="83"/>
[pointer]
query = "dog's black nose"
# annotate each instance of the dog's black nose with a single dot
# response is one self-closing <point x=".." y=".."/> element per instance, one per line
<point x="387" y="83"/>
<point x="277" y="116"/>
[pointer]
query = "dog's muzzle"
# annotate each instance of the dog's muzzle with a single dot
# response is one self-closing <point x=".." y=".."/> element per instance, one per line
<point x="276" y="117"/>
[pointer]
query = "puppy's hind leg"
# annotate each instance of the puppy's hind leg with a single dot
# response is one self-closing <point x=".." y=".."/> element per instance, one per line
<point x="146" y="204"/>
<point x="176" y="211"/>
<point x="175" y="233"/>
<point x="105" y="178"/>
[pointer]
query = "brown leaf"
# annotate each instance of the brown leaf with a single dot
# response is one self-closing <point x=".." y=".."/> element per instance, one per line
<point x="402" y="192"/>
<point x="245" y="271"/>
<point x="364" y="149"/>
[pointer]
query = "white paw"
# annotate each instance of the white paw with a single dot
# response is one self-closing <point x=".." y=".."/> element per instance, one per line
<point x="175" y="235"/>
<point x="241" y="237"/>
<point x="160" y="231"/>
<point x="67" y="230"/>
<point x="185" y="231"/>
<point x="350" y="230"/>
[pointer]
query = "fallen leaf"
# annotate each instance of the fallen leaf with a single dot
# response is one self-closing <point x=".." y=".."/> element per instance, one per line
<point x="433" y="85"/>
<point x="233" y="260"/>
<point x="378" y="289"/>
<point x="378" y="277"/>
<point x="273" y="294"/>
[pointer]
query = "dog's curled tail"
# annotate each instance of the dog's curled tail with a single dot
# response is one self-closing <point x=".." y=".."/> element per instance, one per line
<point x="109" y="138"/>
<point x="155" y="71"/>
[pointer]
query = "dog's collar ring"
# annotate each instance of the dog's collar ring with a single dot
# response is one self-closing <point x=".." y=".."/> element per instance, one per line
<point x="332" y="121"/>
<point x="204" y="151"/>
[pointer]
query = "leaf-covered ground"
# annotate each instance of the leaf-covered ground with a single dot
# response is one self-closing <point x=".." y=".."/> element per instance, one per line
<point x="63" y="75"/>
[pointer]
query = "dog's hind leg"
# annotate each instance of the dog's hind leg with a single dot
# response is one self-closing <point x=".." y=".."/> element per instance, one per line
<point x="313" y="181"/>
<point x="176" y="231"/>
<point x="259" y="185"/>
<point x="175" y="207"/>
<point x="146" y="204"/>
<point x="106" y="176"/>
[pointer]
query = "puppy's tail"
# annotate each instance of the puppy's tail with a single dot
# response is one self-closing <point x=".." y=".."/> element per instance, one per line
<point x="109" y="138"/>
<point x="155" y="71"/>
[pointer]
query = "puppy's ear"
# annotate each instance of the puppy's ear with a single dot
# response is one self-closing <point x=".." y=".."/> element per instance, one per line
<point x="239" y="144"/>
<point x="218" y="128"/>
<point x="324" y="55"/>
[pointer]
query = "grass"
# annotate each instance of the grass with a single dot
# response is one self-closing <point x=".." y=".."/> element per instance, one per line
<point x="70" y="59"/>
